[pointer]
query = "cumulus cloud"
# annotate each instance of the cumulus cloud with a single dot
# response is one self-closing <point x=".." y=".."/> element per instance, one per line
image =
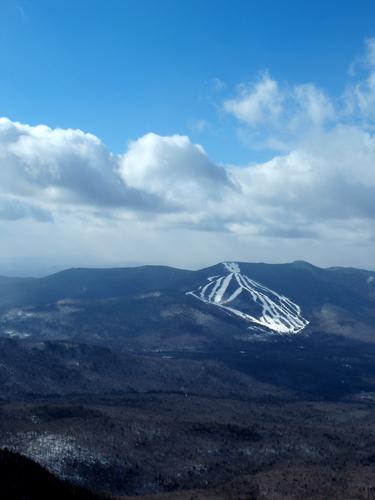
<point x="270" y="108"/>
<point x="43" y="170"/>
<point x="173" y="169"/>
<point x="165" y="192"/>
<point x="65" y="167"/>
<point x="57" y="165"/>
<point x="170" y="182"/>
<point x="330" y="176"/>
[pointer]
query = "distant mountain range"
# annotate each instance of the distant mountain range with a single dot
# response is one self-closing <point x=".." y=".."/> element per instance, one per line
<point x="156" y="306"/>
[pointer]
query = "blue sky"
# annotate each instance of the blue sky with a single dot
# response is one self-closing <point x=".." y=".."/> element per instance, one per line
<point x="186" y="132"/>
<point x="122" y="68"/>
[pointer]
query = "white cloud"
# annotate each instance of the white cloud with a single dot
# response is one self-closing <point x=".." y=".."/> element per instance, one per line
<point x="174" y="169"/>
<point x="168" y="185"/>
<point x="329" y="177"/>
<point x="360" y="96"/>
<point x="164" y="200"/>
<point x="59" y="168"/>
<point x="57" y="164"/>
<point x="257" y="103"/>
<point x="281" y="110"/>
<point x="314" y="105"/>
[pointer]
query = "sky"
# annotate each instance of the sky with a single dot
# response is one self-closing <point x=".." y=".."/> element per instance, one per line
<point x="186" y="133"/>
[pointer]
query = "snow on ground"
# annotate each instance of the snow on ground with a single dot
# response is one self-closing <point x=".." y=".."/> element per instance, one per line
<point x="59" y="453"/>
<point x="278" y="313"/>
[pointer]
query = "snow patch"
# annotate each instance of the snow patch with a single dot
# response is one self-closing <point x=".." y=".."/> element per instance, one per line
<point x="232" y="267"/>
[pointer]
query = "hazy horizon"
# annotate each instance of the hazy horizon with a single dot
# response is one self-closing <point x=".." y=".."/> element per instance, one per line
<point x="24" y="270"/>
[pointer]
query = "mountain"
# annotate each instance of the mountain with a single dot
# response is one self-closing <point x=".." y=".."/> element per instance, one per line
<point x="239" y="380"/>
<point x="86" y="284"/>
<point x="154" y="306"/>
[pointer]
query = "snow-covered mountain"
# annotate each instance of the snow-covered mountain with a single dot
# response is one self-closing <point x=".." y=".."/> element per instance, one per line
<point x="158" y="307"/>
<point x="242" y="296"/>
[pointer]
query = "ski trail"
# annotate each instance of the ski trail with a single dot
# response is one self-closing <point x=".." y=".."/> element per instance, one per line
<point x="278" y="313"/>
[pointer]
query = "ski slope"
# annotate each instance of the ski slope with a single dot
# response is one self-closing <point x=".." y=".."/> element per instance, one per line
<point x="234" y="291"/>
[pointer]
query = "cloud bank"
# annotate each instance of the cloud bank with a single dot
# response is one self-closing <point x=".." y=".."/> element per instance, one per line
<point x="317" y="191"/>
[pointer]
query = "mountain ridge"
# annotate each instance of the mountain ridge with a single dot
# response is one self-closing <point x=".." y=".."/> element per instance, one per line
<point x="150" y="301"/>
<point x="297" y="263"/>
